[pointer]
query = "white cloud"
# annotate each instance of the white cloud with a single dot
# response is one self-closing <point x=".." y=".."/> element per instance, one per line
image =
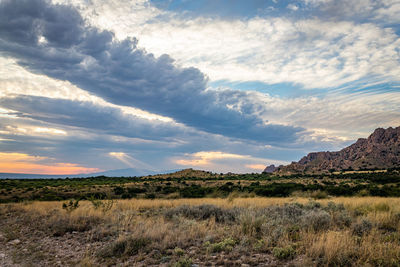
<point x="226" y="162"/>
<point x="313" y="53"/>
<point x="293" y="7"/>
<point x="390" y="11"/>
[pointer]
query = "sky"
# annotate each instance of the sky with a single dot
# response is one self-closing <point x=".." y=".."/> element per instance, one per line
<point x="220" y="85"/>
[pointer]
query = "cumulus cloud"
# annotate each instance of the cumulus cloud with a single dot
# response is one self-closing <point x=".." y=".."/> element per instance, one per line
<point x="120" y="72"/>
<point x="384" y="12"/>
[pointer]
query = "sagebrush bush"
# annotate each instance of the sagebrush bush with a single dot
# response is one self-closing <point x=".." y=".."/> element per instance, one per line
<point x="317" y="220"/>
<point x="204" y="212"/>
<point x="342" y="218"/>
<point x="362" y="228"/>
<point x="333" y="207"/>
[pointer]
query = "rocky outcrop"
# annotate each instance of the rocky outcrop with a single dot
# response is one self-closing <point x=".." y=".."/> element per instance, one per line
<point x="270" y="169"/>
<point x="381" y="150"/>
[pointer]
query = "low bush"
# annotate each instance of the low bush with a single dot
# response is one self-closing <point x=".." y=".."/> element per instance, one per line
<point x="125" y="246"/>
<point x="225" y="245"/>
<point x="362" y="228"/>
<point x="284" y="253"/>
<point x="252" y="225"/>
<point x="61" y="225"/>
<point x="183" y="262"/>
<point x="317" y="220"/>
<point x="204" y="212"/>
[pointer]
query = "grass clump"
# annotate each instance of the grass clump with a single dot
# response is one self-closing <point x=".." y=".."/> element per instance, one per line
<point x="252" y="225"/>
<point x="124" y="246"/>
<point x="382" y="207"/>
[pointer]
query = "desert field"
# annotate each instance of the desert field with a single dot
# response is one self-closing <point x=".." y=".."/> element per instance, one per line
<point x="233" y="231"/>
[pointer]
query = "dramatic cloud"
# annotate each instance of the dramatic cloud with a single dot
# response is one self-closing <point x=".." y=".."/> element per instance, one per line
<point x="316" y="52"/>
<point x="53" y="40"/>
<point x="227" y="89"/>
<point x="92" y="117"/>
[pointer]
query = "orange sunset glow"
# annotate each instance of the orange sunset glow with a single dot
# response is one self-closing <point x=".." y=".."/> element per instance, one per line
<point x="24" y="163"/>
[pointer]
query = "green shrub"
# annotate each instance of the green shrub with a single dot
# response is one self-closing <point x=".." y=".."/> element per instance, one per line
<point x="71" y="205"/>
<point x="225" y="245"/>
<point x="284" y="253"/>
<point x="183" y="262"/>
<point x="178" y="251"/>
<point x="104" y="205"/>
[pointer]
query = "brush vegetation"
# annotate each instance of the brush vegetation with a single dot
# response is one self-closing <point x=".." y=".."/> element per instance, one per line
<point x="297" y="231"/>
<point x="199" y="184"/>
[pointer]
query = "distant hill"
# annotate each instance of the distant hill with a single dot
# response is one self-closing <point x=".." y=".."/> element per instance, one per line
<point x="112" y="173"/>
<point x="186" y="173"/>
<point x="381" y="150"/>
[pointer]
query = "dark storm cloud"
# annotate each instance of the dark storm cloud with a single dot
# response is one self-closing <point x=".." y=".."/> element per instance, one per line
<point x="54" y="40"/>
<point x="92" y="117"/>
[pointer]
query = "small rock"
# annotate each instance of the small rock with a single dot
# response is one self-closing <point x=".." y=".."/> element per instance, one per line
<point x="245" y="265"/>
<point x="2" y="255"/>
<point x="192" y="252"/>
<point x="14" y="242"/>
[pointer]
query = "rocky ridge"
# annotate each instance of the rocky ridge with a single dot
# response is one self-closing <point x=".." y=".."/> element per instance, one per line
<point x="381" y="150"/>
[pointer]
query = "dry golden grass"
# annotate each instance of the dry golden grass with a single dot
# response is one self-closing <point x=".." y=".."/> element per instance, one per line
<point x="136" y="220"/>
